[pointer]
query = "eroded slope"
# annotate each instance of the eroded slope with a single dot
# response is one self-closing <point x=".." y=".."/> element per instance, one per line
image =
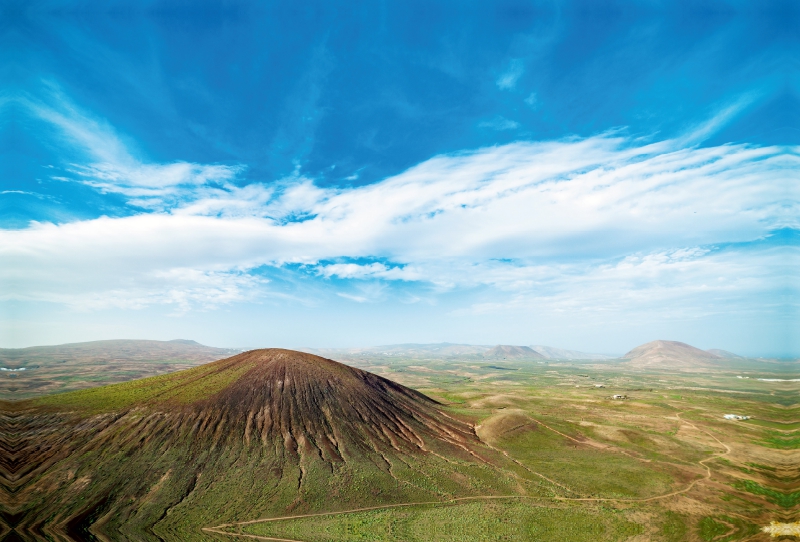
<point x="264" y="432"/>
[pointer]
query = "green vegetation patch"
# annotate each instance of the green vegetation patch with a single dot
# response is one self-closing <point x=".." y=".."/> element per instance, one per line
<point x="782" y="441"/>
<point x="725" y="529"/>
<point x="711" y="529"/>
<point x="498" y="519"/>
<point x="786" y="500"/>
<point x="674" y="528"/>
<point x="782" y="426"/>
<point x="585" y="470"/>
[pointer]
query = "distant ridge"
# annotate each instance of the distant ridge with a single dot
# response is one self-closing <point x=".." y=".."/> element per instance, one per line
<point x="408" y="350"/>
<point x="724" y="353"/>
<point x="118" y="349"/>
<point x="505" y="351"/>
<point x="671" y="354"/>
<point x="185" y="341"/>
<point x="444" y="351"/>
<point x="560" y="353"/>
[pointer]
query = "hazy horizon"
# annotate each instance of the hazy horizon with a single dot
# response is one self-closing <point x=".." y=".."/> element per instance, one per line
<point x="367" y="347"/>
<point x="504" y="173"/>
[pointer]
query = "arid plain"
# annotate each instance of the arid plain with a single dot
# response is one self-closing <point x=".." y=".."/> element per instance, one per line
<point x="413" y="442"/>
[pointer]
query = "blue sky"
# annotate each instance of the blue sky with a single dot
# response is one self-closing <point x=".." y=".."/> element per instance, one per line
<point x="587" y="175"/>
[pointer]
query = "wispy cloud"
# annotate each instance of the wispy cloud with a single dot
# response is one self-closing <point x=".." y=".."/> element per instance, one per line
<point x="500" y="123"/>
<point x="544" y="223"/>
<point x="508" y="79"/>
<point x="369" y="271"/>
<point x="667" y="284"/>
<point x="113" y="168"/>
<point x="724" y="115"/>
<point x="156" y="186"/>
<point x="351" y="297"/>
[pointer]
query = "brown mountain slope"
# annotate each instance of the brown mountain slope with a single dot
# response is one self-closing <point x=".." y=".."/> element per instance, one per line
<point x="266" y="432"/>
<point x="504" y="351"/>
<point x="670" y="355"/>
<point x="322" y="405"/>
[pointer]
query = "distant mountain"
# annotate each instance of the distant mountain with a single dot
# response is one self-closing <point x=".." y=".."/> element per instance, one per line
<point x="670" y="355"/>
<point x="185" y="341"/>
<point x="559" y="353"/>
<point x="114" y="350"/>
<point x="504" y="351"/>
<point x="72" y="366"/>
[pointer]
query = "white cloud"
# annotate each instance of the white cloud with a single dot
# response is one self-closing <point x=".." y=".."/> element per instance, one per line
<point x="182" y="289"/>
<point x="659" y="285"/>
<point x="541" y="221"/>
<point x="508" y="79"/>
<point x="369" y="271"/>
<point x="500" y="123"/>
<point x="532" y="100"/>
<point x="702" y="131"/>
<point x="157" y="186"/>
<point x="114" y="169"/>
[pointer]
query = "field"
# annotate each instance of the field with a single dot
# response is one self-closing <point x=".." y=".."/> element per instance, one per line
<point x="662" y="464"/>
<point x="559" y="459"/>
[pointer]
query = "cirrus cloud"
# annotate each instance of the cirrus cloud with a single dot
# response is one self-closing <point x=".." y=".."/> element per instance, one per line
<point x="535" y="221"/>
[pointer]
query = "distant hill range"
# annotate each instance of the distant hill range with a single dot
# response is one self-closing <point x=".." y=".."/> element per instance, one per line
<point x="453" y="350"/>
<point x="675" y="355"/>
<point x="408" y="350"/>
<point x="559" y="353"/>
<point x="504" y="351"/>
<point x="46" y="369"/>
<point x="113" y="350"/>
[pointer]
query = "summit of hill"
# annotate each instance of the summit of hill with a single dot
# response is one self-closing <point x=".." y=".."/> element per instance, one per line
<point x="671" y="355"/>
<point x="320" y="403"/>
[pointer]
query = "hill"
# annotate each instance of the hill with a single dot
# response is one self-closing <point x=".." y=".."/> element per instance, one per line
<point x="267" y="431"/>
<point x="39" y="370"/>
<point x="670" y="355"/>
<point x="560" y="353"/>
<point x="504" y="351"/>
